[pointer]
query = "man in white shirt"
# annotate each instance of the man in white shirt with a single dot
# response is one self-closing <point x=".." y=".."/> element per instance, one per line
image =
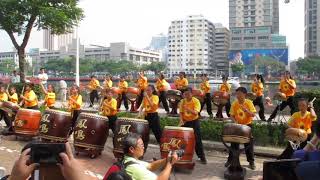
<point x="15" y="77"/>
<point x="43" y="77"/>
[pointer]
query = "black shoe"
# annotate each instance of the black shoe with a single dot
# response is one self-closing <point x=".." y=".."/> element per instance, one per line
<point x="263" y="120"/>
<point x="203" y="160"/>
<point x="252" y="165"/>
<point x="227" y="164"/>
<point x="269" y="120"/>
<point x="91" y="106"/>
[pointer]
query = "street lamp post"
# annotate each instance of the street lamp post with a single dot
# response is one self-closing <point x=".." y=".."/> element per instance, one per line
<point x="77" y="58"/>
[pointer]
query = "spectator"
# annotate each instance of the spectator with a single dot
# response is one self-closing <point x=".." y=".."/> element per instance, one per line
<point x="63" y="90"/>
<point x="43" y="77"/>
<point x="70" y="167"/>
<point x="15" y="77"/>
<point x="133" y="148"/>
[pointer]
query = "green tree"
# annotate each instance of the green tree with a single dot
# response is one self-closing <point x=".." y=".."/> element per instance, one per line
<point x="237" y="68"/>
<point x="18" y="17"/>
<point x="309" y="66"/>
<point x="7" y="66"/>
<point x="266" y="62"/>
<point x="155" y="67"/>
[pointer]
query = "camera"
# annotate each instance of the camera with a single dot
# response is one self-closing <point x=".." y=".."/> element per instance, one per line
<point x="47" y="153"/>
<point x="180" y="152"/>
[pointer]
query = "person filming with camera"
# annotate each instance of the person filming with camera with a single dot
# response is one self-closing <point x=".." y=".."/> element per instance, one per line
<point x="137" y="170"/>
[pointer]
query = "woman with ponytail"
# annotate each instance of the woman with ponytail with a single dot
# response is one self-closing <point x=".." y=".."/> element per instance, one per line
<point x="257" y="87"/>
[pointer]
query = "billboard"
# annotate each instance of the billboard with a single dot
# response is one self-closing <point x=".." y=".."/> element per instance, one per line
<point x="247" y="56"/>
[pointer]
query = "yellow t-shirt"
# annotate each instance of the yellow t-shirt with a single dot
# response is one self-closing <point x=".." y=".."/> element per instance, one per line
<point x="225" y="87"/>
<point x="305" y="122"/>
<point x="193" y="104"/>
<point x="161" y="85"/>
<point x="257" y="88"/>
<point x="107" y="84"/>
<point x="93" y="84"/>
<point x="205" y="87"/>
<point x="3" y="97"/>
<point x="77" y="105"/>
<point x="286" y="88"/>
<point x="241" y="116"/>
<point x="50" y="99"/>
<point x="123" y="86"/>
<point x="14" y="98"/>
<point x="106" y="111"/>
<point x="181" y="83"/>
<point x="32" y="97"/>
<point x="148" y="108"/>
<point x="142" y="83"/>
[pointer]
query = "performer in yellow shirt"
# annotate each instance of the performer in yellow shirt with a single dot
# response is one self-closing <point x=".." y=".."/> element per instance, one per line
<point x="226" y="88"/>
<point x="12" y="95"/>
<point x="242" y="112"/>
<point x="303" y="119"/>
<point x="93" y="87"/>
<point x="150" y="105"/>
<point x="123" y="86"/>
<point x="182" y="82"/>
<point x="257" y="89"/>
<point x="3" y="114"/>
<point x="74" y="105"/>
<point x="29" y="98"/>
<point x="205" y="87"/>
<point x="50" y="96"/>
<point x="109" y="109"/>
<point x="288" y="87"/>
<point x="107" y="84"/>
<point x="161" y="86"/>
<point x="142" y="84"/>
<point x="189" y="109"/>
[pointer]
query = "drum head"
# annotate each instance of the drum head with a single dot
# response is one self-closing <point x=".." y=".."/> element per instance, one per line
<point x="296" y="135"/>
<point x="236" y="133"/>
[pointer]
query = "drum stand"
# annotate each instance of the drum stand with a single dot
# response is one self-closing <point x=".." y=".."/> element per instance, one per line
<point x="280" y="116"/>
<point x="133" y="108"/>
<point x="235" y="171"/>
<point x="174" y="107"/>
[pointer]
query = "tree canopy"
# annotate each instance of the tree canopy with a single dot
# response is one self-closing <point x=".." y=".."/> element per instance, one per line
<point x="309" y="66"/>
<point x="19" y="17"/>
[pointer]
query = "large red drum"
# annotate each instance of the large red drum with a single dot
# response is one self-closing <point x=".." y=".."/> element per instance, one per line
<point x="55" y="126"/>
<point x="175" y="138"/>
<point x="198" y="94"/>
<point x="123" y="127"/>
<point x="27" y="122"/>
<point x="90" y="134"/>
<point x="132" y="93"/>
<point x="116" y="91"/>
<point x="220" y="98"/>
<point x="10" y="107"/>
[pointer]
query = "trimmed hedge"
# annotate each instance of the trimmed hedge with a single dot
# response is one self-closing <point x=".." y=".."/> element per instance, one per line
<point x="264" y="134"/>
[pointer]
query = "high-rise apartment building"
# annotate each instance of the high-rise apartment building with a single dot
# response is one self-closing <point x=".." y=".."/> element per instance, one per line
<point x="54" y="42"/>
<point x="191" y="45"/>
<point x="312" y="28"/>
<point x="160" y="43"/>
<point x="222" y="45"/>
<point x="254" y="23"/>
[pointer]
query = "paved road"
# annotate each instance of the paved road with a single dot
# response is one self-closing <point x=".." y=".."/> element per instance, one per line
<point x="10" y="150"/>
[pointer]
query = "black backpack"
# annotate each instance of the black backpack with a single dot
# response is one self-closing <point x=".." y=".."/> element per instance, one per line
<point x="118" y="171"/>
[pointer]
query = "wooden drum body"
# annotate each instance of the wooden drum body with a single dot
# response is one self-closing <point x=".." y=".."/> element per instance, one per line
<point x="280" y="96"/>
<point x="55" y="126"/>
<point x="198" y="94"/>
<point x="176" y="138"/>
<point x="220" y="98"/>
<point x="27" y="122"/>
<point x="116" y="92"/>
<point x="123" y="127"/>
<point x="296" y="135"/>
<point x="236" y="133"/>
<point x="251" y="96"/>
<point x="90" y="134"/>
<point x="10" y="107"/>
<point x="173" y="94"/>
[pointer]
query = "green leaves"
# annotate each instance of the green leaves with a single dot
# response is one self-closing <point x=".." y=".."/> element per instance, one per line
<point x="309" y="66"/>
<point x="237" y="67"/>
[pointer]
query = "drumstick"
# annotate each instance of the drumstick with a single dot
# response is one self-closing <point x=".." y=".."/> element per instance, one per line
<point x="22" y="92"/>
<point x="313" y="100"/>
